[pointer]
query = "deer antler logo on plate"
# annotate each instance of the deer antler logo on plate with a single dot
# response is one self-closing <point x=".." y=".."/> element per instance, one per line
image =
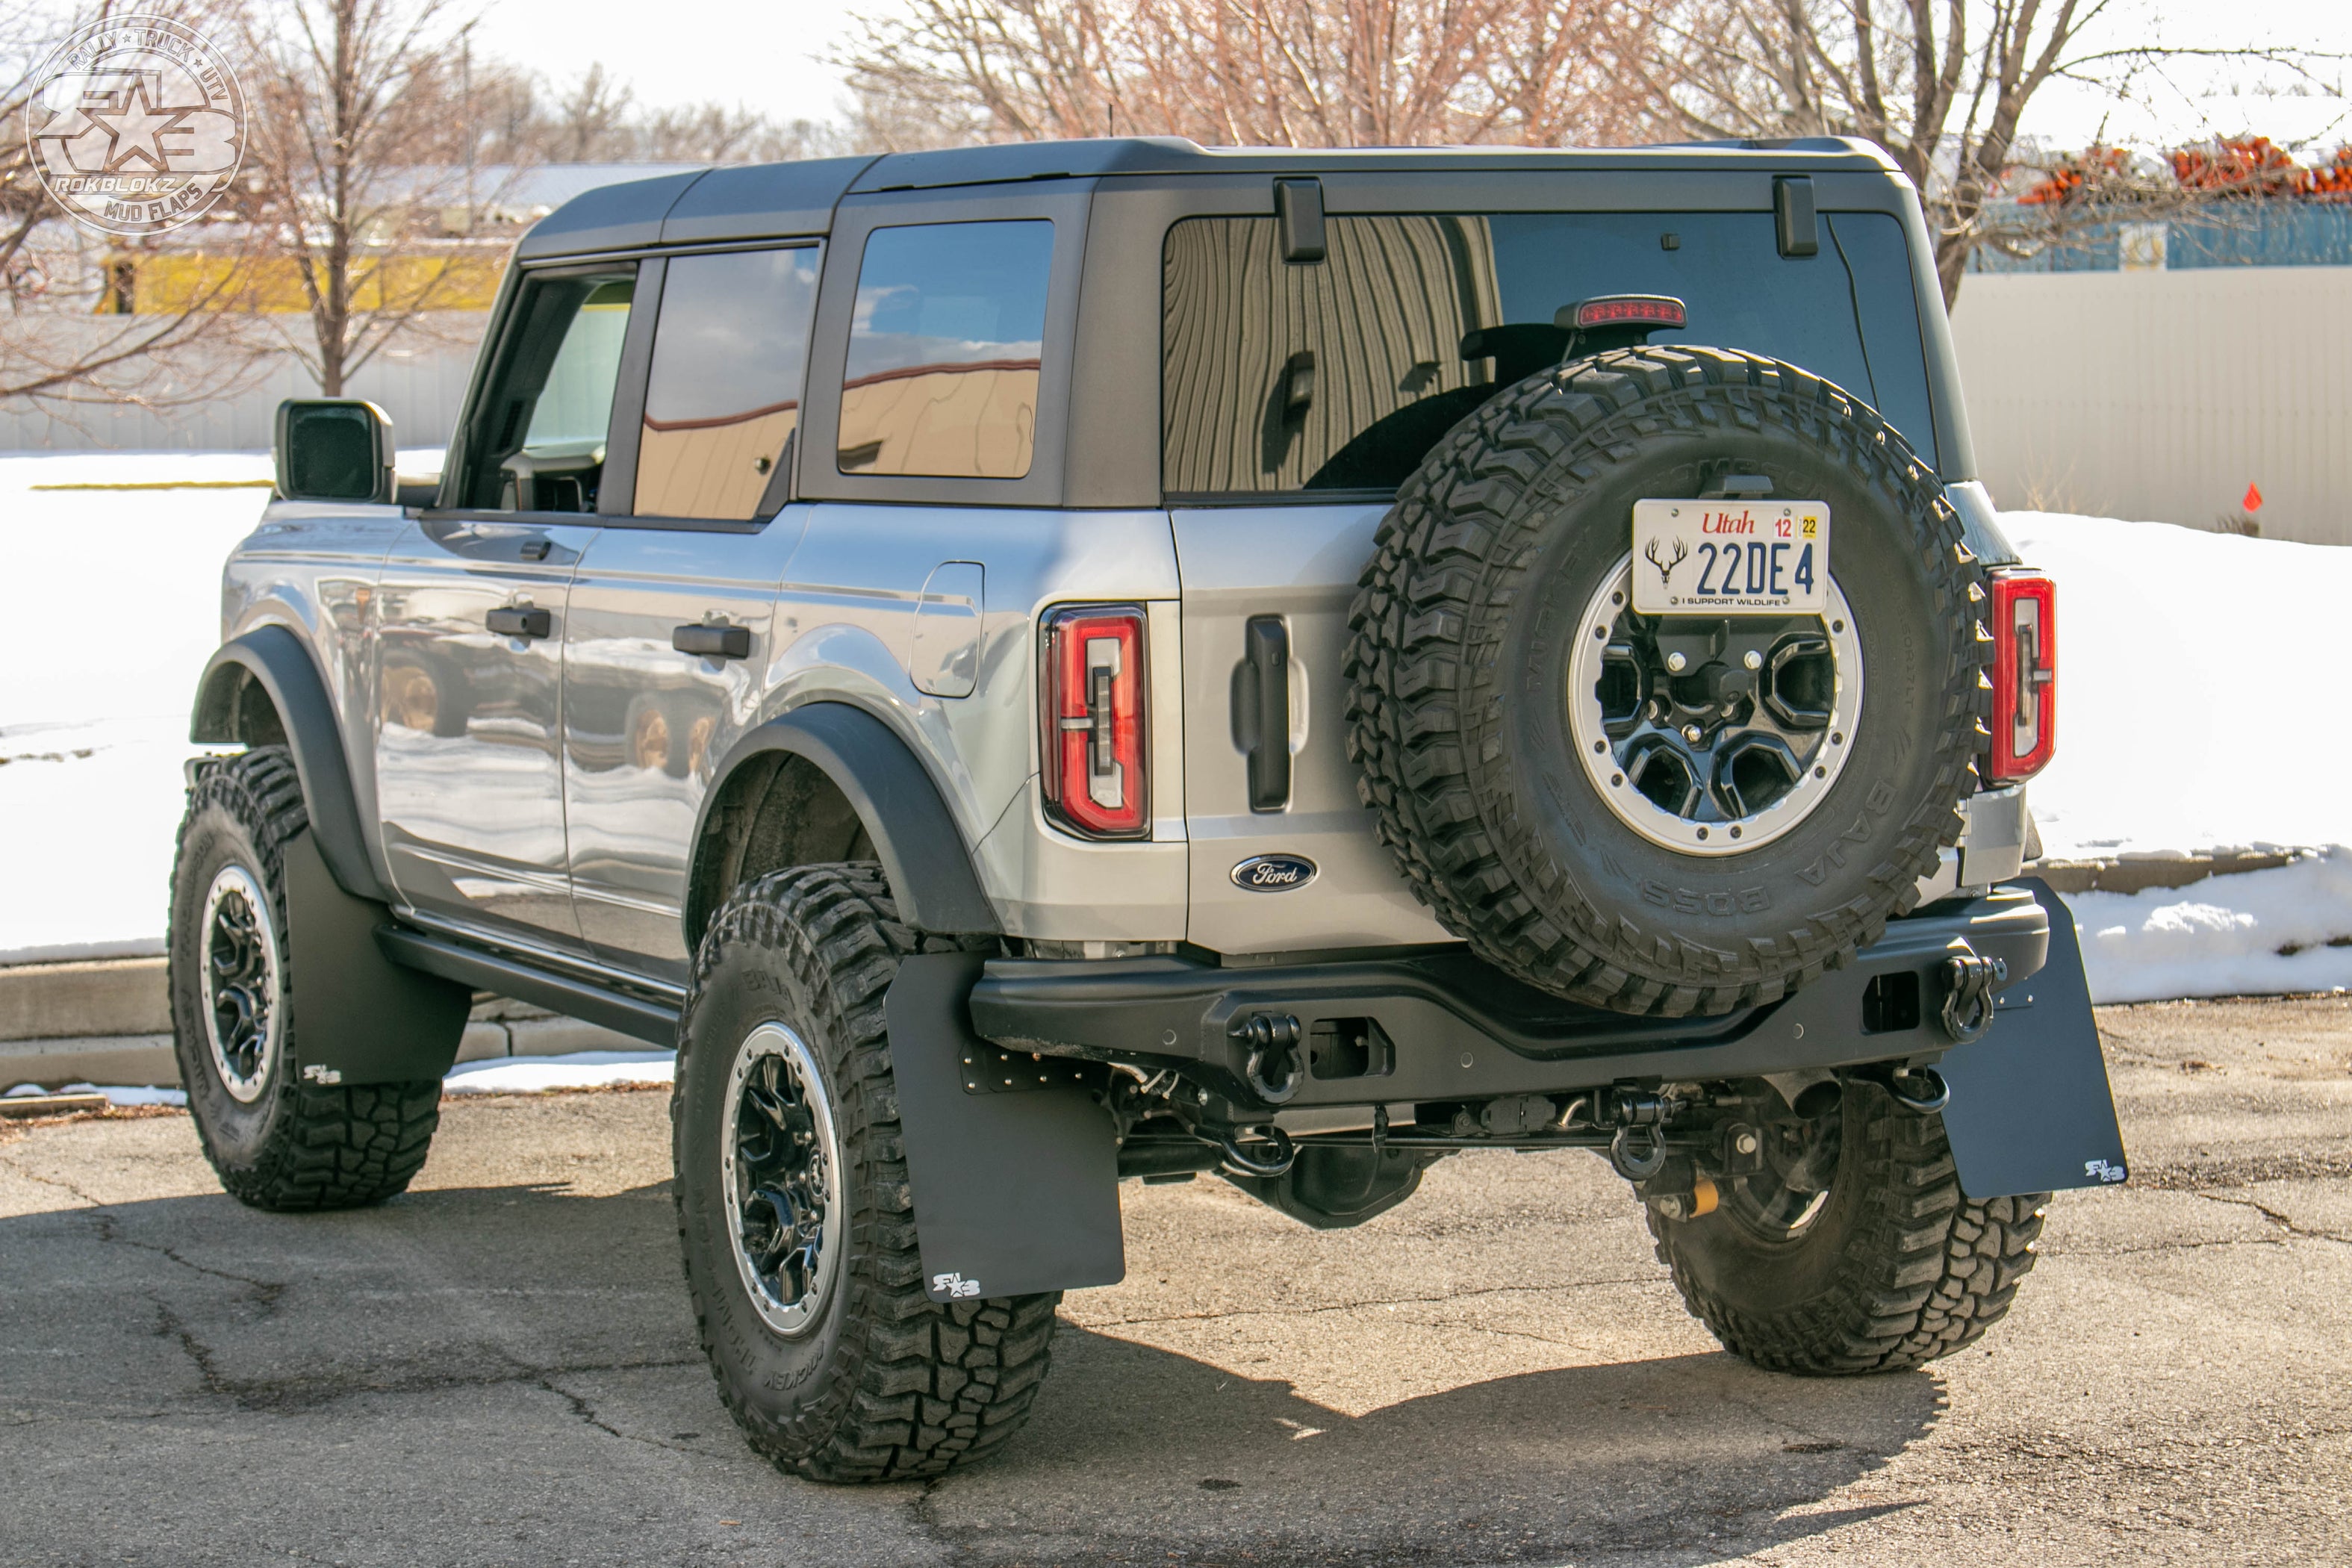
<point x="1666" y="568"/>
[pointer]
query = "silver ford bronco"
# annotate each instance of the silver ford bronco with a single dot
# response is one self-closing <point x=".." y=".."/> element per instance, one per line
<point x="1035" y="666"/>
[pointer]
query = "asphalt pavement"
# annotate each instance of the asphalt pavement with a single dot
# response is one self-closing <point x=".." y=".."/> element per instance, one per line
<point x="499" y="1367"/>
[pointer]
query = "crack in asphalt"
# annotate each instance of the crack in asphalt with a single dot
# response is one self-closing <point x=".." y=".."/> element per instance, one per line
<point x="2278" y="1219"/>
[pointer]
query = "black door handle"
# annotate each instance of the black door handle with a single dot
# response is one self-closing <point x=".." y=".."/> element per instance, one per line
<point x="520" y="621"/>
<point x="1262" y="710"/>
<point x="713" y="642"/>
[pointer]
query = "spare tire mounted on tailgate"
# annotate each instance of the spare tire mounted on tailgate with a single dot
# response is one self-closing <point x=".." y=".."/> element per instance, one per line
<point x="1669" y="812"/>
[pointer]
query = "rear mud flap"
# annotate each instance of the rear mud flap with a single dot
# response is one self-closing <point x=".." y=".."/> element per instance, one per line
<point x="2031" y="1109"/>
<point x="1016" y="1190"/>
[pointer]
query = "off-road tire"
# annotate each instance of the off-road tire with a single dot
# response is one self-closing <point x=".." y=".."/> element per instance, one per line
<point x="1899" y="1267"/>
<point x="1457" y="664"/>
<point x="887" y="1384"/>
<point x="296" y="1146"/>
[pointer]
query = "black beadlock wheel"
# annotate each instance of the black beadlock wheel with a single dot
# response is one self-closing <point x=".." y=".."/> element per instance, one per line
<point x="1577" y="814"/>
<point x="275" y="1141"/>
<point x="1890" y="1267"/>
<point x="794" y="1208"/>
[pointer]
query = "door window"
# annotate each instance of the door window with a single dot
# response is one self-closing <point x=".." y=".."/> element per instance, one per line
<point x="538" y="443"/>
<point x="944" y="351"/>
<point x="723" y="399"/>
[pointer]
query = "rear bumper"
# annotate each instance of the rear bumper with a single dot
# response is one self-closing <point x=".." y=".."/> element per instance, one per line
<point x="1449" y="1026"/>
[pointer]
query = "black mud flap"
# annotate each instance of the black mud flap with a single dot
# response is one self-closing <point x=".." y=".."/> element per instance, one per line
<point x="358" y="1017"/>
<point x="1015" y="1173"/>
<point x="2031" y="1111"/>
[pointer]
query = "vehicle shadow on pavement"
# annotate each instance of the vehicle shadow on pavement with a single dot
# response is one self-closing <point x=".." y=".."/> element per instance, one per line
<point x="1135" y="1449"/>
<point x="536" y="1320"/>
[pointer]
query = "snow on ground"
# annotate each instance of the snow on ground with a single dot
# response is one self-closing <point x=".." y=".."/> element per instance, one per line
<point x="2170" y="740"/>
<point x="2251" y="934"/>
<point x="2176" y="651"/>
<point x="579" y="1070"/>
<point x="110" y="607"/>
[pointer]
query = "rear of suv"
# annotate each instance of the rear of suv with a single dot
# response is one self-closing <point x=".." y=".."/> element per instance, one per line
<point x="1036" y="665"/>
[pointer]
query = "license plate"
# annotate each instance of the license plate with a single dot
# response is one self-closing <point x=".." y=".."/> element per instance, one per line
<point x="1730" y="558"/>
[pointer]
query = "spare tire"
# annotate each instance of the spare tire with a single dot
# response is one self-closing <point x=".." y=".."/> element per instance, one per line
<point x="1652" y="839"/>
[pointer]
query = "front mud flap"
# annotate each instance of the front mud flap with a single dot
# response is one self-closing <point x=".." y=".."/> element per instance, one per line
<point x="358" y="1017"/>
<point x="2030" y="1110"/>
<point x="1015" y="1185"/>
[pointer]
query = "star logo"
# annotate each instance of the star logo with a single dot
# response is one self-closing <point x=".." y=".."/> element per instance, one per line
<point x="136" y="125"/>
<point x="134" y="129"/>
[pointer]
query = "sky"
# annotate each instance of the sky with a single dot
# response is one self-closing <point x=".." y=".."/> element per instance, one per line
<point x="769" y="56"/>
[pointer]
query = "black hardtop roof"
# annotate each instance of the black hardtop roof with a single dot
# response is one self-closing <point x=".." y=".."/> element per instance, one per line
<point x="758" y="201"/>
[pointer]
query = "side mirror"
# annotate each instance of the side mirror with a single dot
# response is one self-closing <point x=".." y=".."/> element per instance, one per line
<point x="334" y="449"/>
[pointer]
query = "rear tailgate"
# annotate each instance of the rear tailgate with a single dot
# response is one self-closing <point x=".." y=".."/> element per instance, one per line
<point x="1296" y="564"/>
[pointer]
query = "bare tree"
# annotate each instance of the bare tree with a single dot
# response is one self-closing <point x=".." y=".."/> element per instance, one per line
<point x="362" y="171"/>
<point x="1943" y="85"/>
<point x="1282" y="72"/>
<point x="69" y="335"/>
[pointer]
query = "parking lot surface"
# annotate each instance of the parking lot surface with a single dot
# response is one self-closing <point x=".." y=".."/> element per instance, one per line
<point x="499" y="1367"/>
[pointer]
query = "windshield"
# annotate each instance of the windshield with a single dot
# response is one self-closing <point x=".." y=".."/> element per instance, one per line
<point x="1341" y="374"/>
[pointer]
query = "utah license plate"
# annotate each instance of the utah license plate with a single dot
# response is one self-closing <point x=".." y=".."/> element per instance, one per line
<point x="1730" y="558"/>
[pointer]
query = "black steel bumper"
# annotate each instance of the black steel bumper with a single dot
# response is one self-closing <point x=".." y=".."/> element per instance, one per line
<point x="1445" y="1026"/>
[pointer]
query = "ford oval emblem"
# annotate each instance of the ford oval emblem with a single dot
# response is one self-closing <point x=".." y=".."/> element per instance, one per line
<point x="1274" y="873"/>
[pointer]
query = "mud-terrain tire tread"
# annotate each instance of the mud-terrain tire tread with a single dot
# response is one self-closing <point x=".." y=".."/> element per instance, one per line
<point x="1423" y="694"/>
<point x="332" y="1148"/>
<point x="1923" y="1272"/>
<point x="930" y="1385"/>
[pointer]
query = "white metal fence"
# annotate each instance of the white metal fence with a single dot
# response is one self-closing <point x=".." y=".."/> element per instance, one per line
<point x="420" y="382"/>
<point x="2162" y="396"/>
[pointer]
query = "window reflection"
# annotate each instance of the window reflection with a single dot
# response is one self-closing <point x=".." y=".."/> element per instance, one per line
<point x="723" y="397"/>
<point x="944" y="351"/>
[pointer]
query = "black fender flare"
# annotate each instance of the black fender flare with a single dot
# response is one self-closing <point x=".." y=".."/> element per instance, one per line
<point x="276" y="657"/>
<point x="915" y="836"/>
<point x="376" y="1021"/>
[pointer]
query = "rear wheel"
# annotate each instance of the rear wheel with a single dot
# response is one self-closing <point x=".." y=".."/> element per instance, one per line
<point x="276" y="1141"/>
<point x="1857" y="1252"/>
<point x="794" y="1205"/>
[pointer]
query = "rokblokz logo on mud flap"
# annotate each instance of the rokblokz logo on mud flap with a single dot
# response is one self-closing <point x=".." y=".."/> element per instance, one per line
<point x="137" y="126"/>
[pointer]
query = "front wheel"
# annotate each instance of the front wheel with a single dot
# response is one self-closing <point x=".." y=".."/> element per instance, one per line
<point x="1864" y="1256"/>
<point x="276" y="1138"/>
<point x="794" y="1205"/>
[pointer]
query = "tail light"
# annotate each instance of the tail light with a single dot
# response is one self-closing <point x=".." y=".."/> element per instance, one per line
<point x="1090" y="690"/>
<point x="2024" y="675"/>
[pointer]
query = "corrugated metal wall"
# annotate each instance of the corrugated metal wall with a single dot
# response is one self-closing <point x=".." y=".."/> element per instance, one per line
<point x="1383" y="316"/>
<point x="420" y="382"/>
<point x="2162" y="396"/>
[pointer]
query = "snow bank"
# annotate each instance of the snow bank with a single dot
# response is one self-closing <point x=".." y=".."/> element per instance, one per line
<point x="110" y="608"/>
<point x="2254" y="933"/>
<point x="2175" y="650"/>
<point x="579" y="1070"/>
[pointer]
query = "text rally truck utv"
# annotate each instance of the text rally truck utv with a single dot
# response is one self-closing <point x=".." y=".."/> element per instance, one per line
<point x="1035" y="666"/>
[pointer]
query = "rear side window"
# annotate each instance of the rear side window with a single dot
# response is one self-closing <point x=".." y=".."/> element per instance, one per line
<point x="723" y="399"/>
<point x="944" y="350"/>
<point x="538" y="442"/>
<point x="1341" y="374"/>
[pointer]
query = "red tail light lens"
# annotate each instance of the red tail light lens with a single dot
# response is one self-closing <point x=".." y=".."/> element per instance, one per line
<point x="1622" y="309"/>
<point x="2024" y="675"/>
<point x="1090" y="689"/>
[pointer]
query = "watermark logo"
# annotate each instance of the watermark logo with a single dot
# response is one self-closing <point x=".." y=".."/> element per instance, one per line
<point x="137" y="126"/>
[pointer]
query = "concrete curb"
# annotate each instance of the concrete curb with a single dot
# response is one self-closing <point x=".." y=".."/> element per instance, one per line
<point x="146" y="1058"/>
<point x="2137" y="875"/>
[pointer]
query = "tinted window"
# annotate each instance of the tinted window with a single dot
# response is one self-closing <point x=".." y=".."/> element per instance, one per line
<point x="723" y="397"/>
<point x="944" y="351"/>
<point x="537" y="443"/>
<point x="1342" y="375"/>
